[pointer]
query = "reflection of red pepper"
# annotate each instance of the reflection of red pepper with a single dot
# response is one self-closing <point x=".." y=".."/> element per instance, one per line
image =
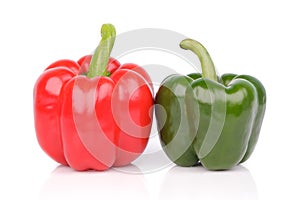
<point x="97" y="120"/>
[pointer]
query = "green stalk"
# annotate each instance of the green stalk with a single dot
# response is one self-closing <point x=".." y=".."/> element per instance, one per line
<point x="101" y="55"/>
<point x="207" y="65"/>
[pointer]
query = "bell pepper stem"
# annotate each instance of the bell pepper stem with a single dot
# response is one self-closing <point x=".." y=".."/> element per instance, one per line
<point x="207" y="65"/>
<point x="99" y="61"/>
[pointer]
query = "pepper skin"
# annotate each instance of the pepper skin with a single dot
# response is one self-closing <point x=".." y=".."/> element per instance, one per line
<point x="94" y="113"/>
<point x="207" y="119"/>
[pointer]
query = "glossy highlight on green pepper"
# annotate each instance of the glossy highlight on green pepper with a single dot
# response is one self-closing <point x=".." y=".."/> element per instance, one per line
<point x="203" y="118"/>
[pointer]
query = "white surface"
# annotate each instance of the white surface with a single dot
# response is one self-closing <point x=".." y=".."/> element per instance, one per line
<point x="259" y="38"/>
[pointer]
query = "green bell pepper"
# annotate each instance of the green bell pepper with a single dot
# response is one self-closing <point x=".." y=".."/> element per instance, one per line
<point x="206" y="119"/>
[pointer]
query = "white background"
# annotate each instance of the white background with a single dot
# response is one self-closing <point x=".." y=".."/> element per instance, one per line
<point x="260" y="38"/>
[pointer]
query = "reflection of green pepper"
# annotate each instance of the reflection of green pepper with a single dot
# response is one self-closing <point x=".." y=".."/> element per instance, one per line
<point x="202" y="117"/>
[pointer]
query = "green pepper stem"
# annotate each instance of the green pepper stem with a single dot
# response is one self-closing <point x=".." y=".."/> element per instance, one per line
<point x="207" y="65"/>
<point x="101" y="55"/>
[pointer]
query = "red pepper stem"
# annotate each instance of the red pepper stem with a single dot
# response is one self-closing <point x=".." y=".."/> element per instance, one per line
<point x="207" y="65"/>
<point x="101" y="55"/>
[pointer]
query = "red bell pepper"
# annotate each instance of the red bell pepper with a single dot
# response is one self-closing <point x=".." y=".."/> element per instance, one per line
<point x="94" y="113"/>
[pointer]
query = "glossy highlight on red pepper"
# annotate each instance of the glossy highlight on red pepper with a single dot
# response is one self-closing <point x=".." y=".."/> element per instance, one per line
<point x="94" y="113"/>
